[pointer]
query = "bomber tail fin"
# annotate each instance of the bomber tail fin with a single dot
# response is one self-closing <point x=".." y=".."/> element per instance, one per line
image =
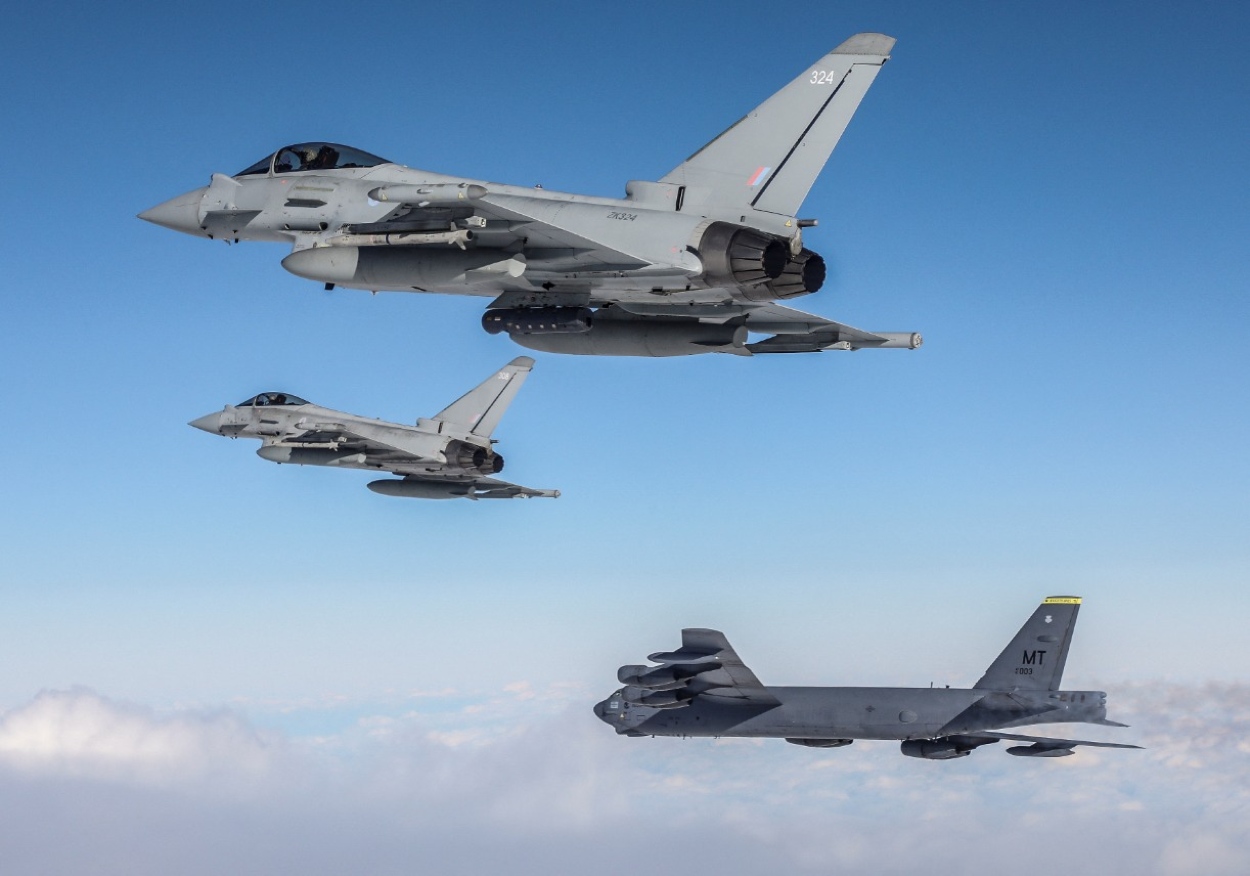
<point x="770" y="158"/>
<point x="1034" y="660"/>
<point x="480" y="409"/>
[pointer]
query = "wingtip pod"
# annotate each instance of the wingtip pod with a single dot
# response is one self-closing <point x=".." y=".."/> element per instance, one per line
<point x="867" y="44"/>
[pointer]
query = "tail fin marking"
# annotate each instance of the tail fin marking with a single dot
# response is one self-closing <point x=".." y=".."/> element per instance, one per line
<point x="770" y="158"/>
<point x="480" y="409"/>
<point x="1035" y="658"/>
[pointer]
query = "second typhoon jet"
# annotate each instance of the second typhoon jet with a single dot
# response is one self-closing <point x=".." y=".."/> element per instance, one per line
<point x="446" y="456"/>
<point x="695" y="262"/>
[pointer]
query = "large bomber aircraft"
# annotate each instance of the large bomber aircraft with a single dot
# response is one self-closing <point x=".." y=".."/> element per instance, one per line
<point x="446" y="456"/>
<point x="704" y="689"/>
<point x="695" y="262"/>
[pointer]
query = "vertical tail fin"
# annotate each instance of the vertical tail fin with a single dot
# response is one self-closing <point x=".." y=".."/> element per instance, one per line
<point x="479" y="410"/>
<point x="770" y="158"/>
<point x="1034" y="659"/>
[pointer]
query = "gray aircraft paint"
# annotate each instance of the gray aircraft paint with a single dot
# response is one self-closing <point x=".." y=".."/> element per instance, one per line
<point x="447" y="456"/>
<point x="692" y="263"/>
<point x="704" y="689"/>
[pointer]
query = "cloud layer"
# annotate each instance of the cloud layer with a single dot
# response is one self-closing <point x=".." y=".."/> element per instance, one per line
<point x="528" y="778"/>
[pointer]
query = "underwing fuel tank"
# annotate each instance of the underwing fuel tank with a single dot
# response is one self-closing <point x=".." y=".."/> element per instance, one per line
<point x="397" y="268"/>
<point x="420" y="489"/>
<point x="1039" y="749"/>
<point x="639" y="337"/>
<point x="308" y="455"/>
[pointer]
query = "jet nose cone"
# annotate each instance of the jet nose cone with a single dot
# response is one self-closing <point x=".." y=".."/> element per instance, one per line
<point x="208" y="422"/>
<point x="181" y="213"/>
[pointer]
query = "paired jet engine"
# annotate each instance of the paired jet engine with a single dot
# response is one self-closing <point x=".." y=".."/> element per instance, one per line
<point x="943" y="747"/>
<point x="661" y="687"/>
<point x="474" y="458"/>
<point x="761" y="267"/>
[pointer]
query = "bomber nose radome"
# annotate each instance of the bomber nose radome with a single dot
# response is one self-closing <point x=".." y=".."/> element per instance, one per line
<point x="208" y="422"/>
<point x="181" y="213"/>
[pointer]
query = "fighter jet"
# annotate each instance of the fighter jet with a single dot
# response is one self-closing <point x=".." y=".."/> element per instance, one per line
<point x="695" y="262"/>
<point x="444" y="457"/>
<point x="704" y="689"/>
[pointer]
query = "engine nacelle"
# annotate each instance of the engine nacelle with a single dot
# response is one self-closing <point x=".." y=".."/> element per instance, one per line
<point x="820" y="743"/>
<point x="656" y="699"/>
<point x="943" y="747"/>
<point x="760" y="266"/>
<point x="538" y="320"/>
<point x="641" y="336"/>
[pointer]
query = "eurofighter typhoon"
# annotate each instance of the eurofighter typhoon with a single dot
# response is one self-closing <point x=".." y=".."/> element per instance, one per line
<point x="443" y="457"/>
<point x="694" y="262"/>
<point x="704" y="689"/>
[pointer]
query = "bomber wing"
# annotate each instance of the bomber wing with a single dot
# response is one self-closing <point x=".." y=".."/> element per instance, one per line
<point x="1043" y="746"/>
<point x="730" y="681"/>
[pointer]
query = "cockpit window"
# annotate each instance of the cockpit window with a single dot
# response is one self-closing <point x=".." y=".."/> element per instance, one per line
<point x="261" y="166"/>
<point x="272" y="398"/>
<point x="314" y="156"/>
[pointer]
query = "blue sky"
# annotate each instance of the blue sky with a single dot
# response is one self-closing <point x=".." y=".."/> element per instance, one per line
<point x="1054" y="195"/>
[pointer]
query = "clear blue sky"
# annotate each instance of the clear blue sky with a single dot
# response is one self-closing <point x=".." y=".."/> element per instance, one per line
<point x="1055" y="195"/>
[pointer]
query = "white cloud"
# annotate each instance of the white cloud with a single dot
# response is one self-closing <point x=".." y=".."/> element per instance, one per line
<point x="80" y="733"/>
<point x="532" y="780"/>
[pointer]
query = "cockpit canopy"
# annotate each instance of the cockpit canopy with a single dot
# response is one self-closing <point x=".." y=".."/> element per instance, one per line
<point x="313" y="156"/>
<point x="272" y="398"/>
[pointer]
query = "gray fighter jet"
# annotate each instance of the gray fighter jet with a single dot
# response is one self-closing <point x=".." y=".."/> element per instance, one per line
<point x="703" y="689"/>
<point x="444" y="457"/>
<point x="694" y="262"/>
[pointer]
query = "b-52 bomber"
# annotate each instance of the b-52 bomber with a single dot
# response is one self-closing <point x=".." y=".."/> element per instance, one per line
<point x="704" y="689"/>
<point x="447" y="456"/>
<point x="694" y="262"/>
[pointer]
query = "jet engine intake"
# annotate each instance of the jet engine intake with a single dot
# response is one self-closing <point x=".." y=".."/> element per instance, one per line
<point x="759" y="265"/>
<point x="641" y="336"/>
<point x="538" y="320"/>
